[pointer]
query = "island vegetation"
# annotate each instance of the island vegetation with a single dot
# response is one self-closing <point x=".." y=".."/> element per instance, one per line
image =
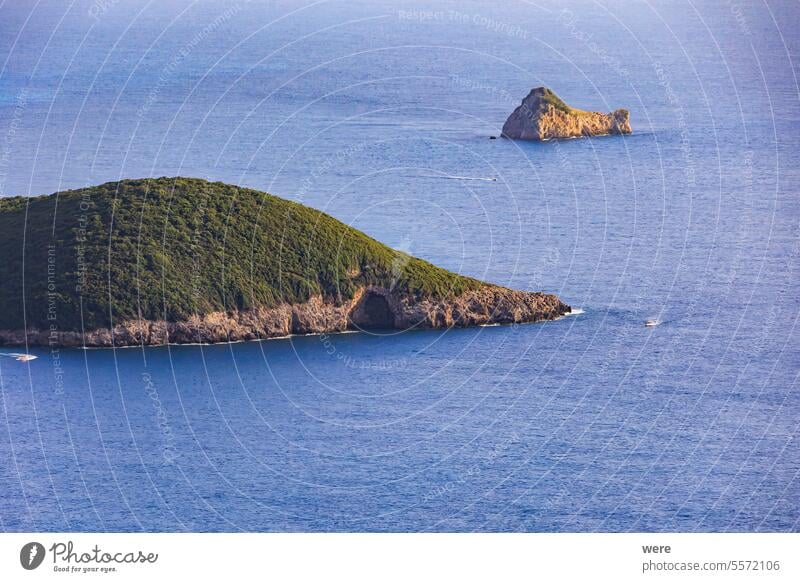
<point x="184" y="259"/>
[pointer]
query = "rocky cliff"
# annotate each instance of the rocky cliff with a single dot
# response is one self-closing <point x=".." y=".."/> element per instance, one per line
<point x="372" y="308"/>
<point x="543" y="115"/>
<point x="181" y="260"/>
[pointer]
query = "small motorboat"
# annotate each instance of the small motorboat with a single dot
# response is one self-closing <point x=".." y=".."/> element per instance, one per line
<point x="21" y="357"/>
<point x="651" y="323"/>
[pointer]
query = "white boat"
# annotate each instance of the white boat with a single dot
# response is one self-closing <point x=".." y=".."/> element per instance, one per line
<point x="21" y="357"/>
<point x="652" y="323"/>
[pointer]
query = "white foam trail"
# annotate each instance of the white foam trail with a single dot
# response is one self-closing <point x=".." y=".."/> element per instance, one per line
<point x="445" y="177"/>
<point x="575" y="311"/>
<point x="469" y="178"/>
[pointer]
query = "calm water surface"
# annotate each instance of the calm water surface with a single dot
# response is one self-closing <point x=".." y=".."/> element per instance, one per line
<point x="375" y="115"/>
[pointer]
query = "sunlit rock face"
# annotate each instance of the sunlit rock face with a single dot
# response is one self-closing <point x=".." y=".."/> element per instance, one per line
<point x="543" y="115"/>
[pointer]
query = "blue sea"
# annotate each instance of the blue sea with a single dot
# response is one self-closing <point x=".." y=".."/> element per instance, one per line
<point x="379" y="113"/>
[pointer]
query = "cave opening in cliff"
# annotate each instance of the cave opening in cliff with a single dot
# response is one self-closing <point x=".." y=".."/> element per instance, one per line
<point x="373" y="312"/>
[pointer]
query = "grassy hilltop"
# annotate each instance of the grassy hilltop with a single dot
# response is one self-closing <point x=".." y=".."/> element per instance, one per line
<point x="170" y="248"/>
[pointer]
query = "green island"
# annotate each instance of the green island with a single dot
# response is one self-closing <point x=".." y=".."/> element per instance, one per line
<point x="180" y="260"/>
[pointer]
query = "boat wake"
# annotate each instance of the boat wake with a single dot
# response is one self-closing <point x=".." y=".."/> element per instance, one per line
<point x="478" y="179"/>
<point x="445" y="177"/>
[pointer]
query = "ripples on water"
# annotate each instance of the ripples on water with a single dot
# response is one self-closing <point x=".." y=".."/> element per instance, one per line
<point x="592" y="422"/>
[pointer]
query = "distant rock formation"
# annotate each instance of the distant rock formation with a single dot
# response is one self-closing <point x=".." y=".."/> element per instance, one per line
<point x="543" y="115"/>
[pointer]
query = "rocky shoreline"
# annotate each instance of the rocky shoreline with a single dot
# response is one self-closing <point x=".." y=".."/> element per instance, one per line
<point x="543" y="115"/>
<point x="370" y="308"/>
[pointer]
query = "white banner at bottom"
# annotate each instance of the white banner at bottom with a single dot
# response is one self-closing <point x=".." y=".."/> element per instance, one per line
<point x="378" y="557"/>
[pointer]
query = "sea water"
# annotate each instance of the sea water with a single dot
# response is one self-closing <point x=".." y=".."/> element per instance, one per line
<point x="360" y="109"/>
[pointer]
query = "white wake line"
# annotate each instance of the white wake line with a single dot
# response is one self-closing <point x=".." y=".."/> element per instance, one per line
<point x="479" y="179"/>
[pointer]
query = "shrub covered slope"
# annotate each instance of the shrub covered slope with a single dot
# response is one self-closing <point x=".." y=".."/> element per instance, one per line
<point x="170" y="248"/>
